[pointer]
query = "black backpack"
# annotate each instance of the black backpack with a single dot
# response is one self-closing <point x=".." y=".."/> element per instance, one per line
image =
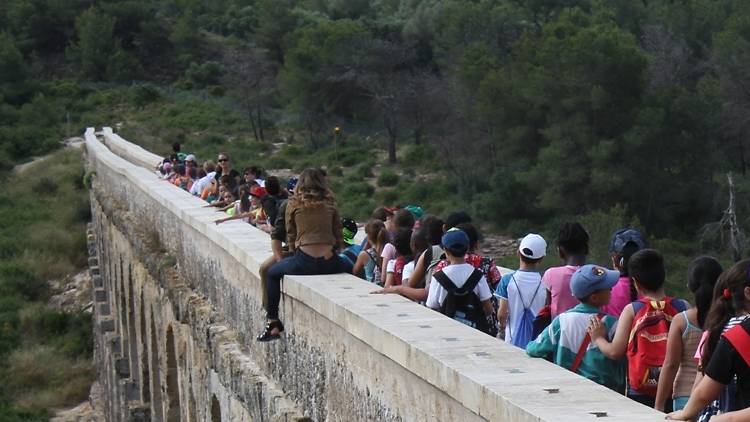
<point x="463" y="300"/>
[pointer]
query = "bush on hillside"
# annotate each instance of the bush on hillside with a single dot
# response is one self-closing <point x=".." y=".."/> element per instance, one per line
<point x="387" y="178"/>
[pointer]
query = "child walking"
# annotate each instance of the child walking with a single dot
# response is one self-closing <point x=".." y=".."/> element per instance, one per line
<point x="625" y="242"/>
<point x="566" y="341"/>
<point x="521" y="294"/>
<point x="726" y="349"/>
<point x="643" y="327"/>
<point x="573" y="247"/>
<point x="680" y="368"/>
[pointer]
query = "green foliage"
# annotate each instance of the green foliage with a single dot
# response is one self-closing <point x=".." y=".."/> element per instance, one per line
<point x="95" y="42"/>
<point x="45" y="354"/>
<point x="387" y="178"/>
<point x="144" y="94"/>
<point x="202" y="75"/>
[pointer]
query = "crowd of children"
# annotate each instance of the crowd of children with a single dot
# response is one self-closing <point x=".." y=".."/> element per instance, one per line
<point x="614" y="325"/>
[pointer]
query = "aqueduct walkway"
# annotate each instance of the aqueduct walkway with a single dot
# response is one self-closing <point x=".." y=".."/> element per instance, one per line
<point x="178" y="301"/>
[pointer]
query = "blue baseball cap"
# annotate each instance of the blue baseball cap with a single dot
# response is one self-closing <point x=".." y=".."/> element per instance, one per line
<point x="455" y="239"/>
<point x="624" y="236"/>
<point x="590" y="278"/>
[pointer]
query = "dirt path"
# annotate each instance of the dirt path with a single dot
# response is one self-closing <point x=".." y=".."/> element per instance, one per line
<point x="74" y="142"/>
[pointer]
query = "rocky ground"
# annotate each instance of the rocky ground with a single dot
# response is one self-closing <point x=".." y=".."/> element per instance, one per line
<point x="88" y="411"/>
<point x="73" y="294"/>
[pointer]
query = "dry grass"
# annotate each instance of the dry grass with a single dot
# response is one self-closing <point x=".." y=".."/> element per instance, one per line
<point x="39" y="377"/>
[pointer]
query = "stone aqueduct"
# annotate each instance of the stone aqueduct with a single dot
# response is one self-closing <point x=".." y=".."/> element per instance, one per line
<point x="177" y="303"/>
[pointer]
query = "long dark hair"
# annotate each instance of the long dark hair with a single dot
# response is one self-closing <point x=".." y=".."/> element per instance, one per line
<point x="702" y="275"/>
<point x="244" y="199"/>
<point x="734" y="281"/>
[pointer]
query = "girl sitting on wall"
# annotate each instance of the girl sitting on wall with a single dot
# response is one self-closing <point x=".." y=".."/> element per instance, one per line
<point x="314" y="234"/>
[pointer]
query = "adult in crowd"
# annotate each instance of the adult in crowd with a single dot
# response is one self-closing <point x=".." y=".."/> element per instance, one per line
<point x="314" y="234"/>
<point x="225" y="167"/>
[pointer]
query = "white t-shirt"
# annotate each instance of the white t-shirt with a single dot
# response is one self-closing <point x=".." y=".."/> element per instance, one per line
<point x="201" y="184"/>
<point x="458" y="274"/>
<point x="521" y="289"/>
<point x="390" y="266"/>
<point x="408" y="269"/>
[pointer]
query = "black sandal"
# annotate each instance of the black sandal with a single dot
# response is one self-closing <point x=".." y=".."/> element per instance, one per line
<point x="267" y="334"/>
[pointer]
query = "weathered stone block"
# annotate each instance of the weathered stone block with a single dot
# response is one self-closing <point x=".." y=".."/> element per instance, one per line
<point x="94" y="271"/>
<point x="140" y="413"/>
<point x="93" y="262"/>
<point x="98" y="281"/>
<point x="122" y="366"/>
<point x="104" y="309"/>
<point x="100" y="295"/>
<point x="107" y="325"/>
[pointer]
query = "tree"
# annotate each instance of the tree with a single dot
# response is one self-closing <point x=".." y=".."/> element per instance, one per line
<point x="322" y="74"/>
<point x="251" y="77"/>
<point x="13" y="72"/>
<point x="95" y="42"/>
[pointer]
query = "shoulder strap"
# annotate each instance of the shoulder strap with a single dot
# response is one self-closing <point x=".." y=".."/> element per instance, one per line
<point x="468" y="286"/>
<point x="472" y="281"/>
<point x="740" y="340"/>
<point x="531" y="302"/>
<point x="445" y="281"/>
<point x="582" y="350"/>
<point x="637" y="305"/>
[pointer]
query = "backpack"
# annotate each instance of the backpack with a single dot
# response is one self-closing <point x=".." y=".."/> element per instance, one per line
<point x="524" y="332"/>
<point x="350" y="255"/>
<point x="738" y="337"/>
<point x="398" y="269"/>
<point x="461" y="303"/>
<point x="430" y="262"/>
<point x="740" y="340"/>
<point x="647" y="344"/>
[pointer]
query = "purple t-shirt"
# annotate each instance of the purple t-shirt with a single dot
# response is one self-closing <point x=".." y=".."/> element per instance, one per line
<point x="557" y="281"/>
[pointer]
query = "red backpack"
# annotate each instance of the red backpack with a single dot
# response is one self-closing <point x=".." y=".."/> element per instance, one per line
<point x="398" y="269"/>
<point x="738" y="337"/>
<point x="647" y="344"/>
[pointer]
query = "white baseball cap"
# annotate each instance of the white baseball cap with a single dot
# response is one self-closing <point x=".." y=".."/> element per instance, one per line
<point x="533" y="246"/>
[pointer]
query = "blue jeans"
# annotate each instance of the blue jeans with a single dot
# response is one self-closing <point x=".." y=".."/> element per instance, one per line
<point x="298" y="264"/>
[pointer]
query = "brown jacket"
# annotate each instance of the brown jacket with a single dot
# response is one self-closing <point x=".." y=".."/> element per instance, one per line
<point x="315" y="224"/>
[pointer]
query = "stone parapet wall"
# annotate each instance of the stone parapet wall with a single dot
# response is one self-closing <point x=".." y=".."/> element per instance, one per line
<point x="347" y="355"/>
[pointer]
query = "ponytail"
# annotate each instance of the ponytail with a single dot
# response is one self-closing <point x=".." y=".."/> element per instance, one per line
<point x="724" y="307"/>
<point x="701" y="280"/>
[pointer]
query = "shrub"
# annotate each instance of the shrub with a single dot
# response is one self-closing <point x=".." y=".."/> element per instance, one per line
<point x="387" y="178"/>
<point x="335" y="171"/>
<point x="39" y="377"/>
<point x="364" y="170"/>
<point x="144" y="94"/>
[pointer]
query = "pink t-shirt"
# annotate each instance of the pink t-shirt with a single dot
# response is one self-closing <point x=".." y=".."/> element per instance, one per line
<point x="557" y="281"/>
<point x="620" y="298"/>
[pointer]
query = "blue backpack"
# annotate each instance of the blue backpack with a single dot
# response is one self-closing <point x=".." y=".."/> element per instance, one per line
<point x="350" y="254"/>
<point x="524" y="332"/>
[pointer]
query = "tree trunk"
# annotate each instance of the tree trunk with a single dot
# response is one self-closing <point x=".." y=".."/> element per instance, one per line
<point x="252" y="120"/>
<point x="259" y="113"/>
<point x="392" y="135"/>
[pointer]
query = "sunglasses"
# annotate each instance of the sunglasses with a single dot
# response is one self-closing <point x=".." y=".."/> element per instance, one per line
<point x="221" y="160"/>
